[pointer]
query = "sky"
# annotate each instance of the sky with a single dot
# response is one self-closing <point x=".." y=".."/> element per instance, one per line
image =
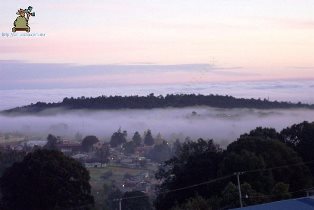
<point x="157" y="42"/>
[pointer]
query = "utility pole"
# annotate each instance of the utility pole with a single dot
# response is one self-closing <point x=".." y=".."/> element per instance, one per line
<point x="119" y="200"/>
<point x="239" y="187"/>
<point x="120" y="206"/>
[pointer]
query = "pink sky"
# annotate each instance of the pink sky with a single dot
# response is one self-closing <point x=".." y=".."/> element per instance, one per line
<point x="263" y="39"/>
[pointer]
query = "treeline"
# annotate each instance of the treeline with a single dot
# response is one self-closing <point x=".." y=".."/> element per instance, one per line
<point x="271" y="165"/>
<point x="160" y="149"/>
<point x="152" y="101"/>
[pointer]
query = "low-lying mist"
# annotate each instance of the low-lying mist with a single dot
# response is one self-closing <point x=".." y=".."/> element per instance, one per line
<point x="222" y="125"/>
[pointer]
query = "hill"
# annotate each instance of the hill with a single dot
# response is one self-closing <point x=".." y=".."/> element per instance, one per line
<point x="151" y="101"/>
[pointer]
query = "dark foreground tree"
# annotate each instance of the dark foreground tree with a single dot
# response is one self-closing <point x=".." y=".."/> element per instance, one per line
<point x="136" y="200"/>
<point x="255" y="153"/>
<point x="8" y="158"/>
<point x="301" y="138"/>
<point x="46" y="180"/>
<point x="196" y="203"/>
<point x="196" y="162"/>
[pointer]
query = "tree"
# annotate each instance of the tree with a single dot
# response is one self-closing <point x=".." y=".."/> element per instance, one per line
<point x="177" y="146"/>
<point x="8" y="158"/>
<point x="46" y="179"/>
<point x="118" y="138"/>
<point x="52" y="142"/>
<point x="195" y="203"/>
<point x="88" y="142"/>
<point x="230" y="196"/>
<point x="103" y="153"/>
<point x="250" y="153"/>
<point x="159" y="139"/>
<point x="301" y="138"/>
<point x="281" y="191"/>
<point x="137" y="139"/>
<point x="265" y="133"/>
<point x="136" y="200"/>
<point x="196" y="162"/>
<point x="243" y="161"/>
<point x="151" y="101"/>
<point x="251" y="196"/>
<point x="160" y="152"/>
<point x="129" y="148"/>
<point x="148" y="139"/>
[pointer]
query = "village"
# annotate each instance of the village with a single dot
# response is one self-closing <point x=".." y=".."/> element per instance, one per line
<point x="129" y="171"/>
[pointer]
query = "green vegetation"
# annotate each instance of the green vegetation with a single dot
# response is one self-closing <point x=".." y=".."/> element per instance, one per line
<point x="88" y="142"/>
<point x="118" y="138"/>
<point x="46" y="179"/>
<point x="152" y="101"/>
<point x="272" y="165"/>
<point x="52" y="142"/>
<point x="198" y="174"/>
<point x="136" y="200"/>
<point x="148" y="138"/>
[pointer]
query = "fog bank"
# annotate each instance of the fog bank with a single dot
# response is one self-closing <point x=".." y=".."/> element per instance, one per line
<point x="223" y="125"/>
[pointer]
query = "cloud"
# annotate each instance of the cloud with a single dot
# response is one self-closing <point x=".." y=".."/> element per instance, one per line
<point x="290" y="23"/>
<point x="19" y="74"/>
<point x="304" y="67"/>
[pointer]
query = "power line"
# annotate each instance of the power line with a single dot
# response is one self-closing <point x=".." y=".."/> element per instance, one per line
<point x="273" y="195"/>
<point x="279" y="167"/>
<point x="211" y="181"/>
<point x="182" y="188"/>
<point x="224" y="177"/>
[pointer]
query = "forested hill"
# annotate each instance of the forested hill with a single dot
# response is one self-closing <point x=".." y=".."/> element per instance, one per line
<point x="152" y="101"/>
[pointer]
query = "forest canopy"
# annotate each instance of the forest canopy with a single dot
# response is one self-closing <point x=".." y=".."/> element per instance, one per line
<point x="151" y="101"/>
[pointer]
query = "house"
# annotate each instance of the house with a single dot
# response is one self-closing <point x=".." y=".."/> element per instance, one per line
<point x="94" y="165"/>
<point x="80" y="157"/>
<point x="33" y="143"/>
<point x="69" y="147"/>
<point x="305" y="203"/>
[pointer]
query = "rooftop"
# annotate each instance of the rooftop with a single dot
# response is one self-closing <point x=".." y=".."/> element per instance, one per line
<point x="306" y="203"/>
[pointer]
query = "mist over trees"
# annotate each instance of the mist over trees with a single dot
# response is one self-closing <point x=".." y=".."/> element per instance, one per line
<point x="118" y="138"/>
<point x="152" y="101"/>
<point x="52" y="142"/>
<point x="137" y="139"/>
<point x="88" y="142"/>
<point x="193" y="175"/>
<point x="148" y="138"/>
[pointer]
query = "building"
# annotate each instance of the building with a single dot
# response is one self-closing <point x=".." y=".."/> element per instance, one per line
<point x="305" y="203"/>
<point x="69" y="147"/>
